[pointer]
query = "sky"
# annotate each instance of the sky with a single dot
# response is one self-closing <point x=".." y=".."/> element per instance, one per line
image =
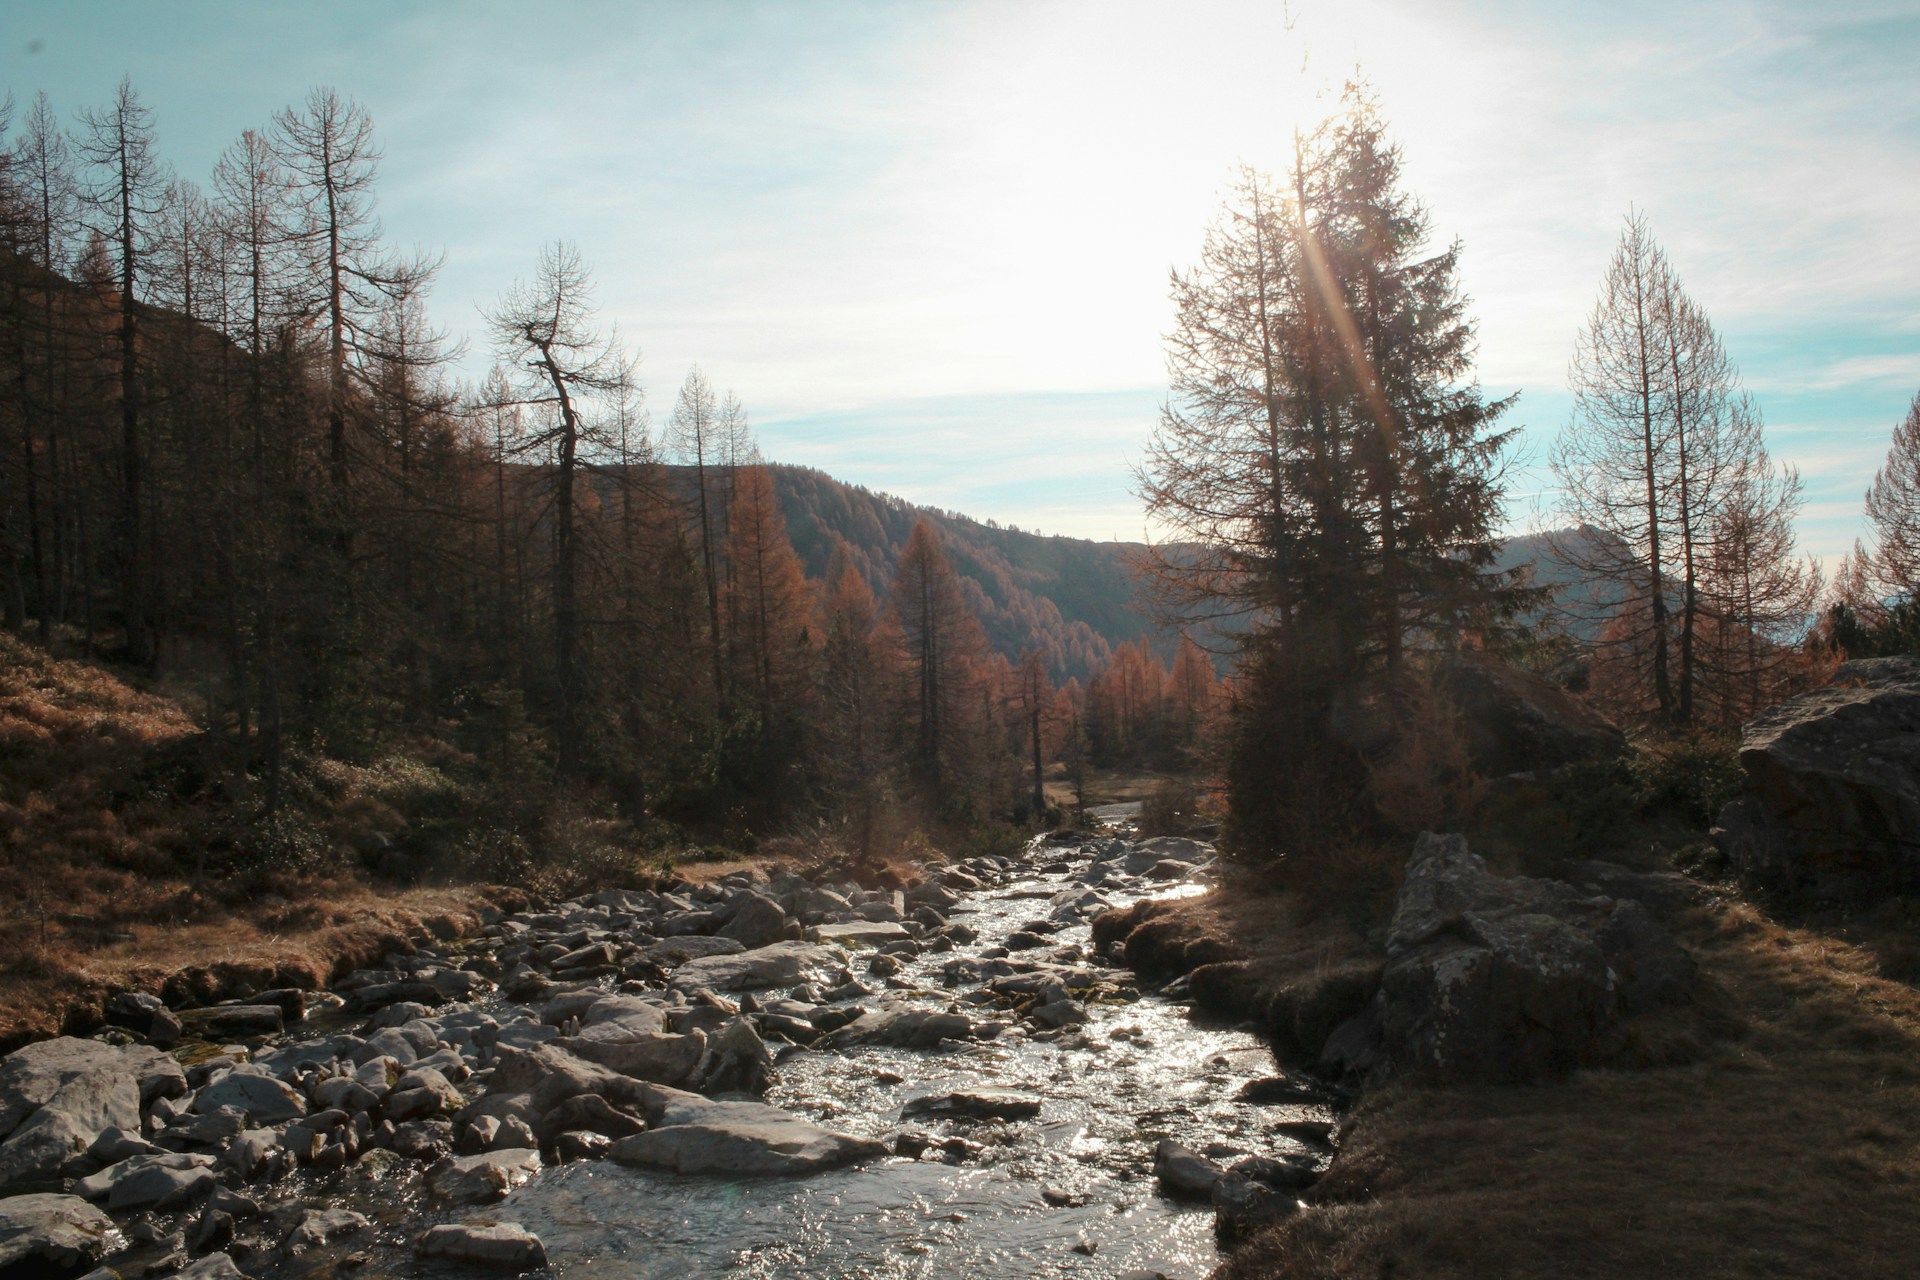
<point x="928" y="243"/>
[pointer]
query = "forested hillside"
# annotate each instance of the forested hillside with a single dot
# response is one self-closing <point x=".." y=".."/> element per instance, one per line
<point x="1073" y="600"/>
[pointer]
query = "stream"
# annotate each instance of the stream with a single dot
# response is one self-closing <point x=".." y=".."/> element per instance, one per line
<point x="1061" y="1181"/>
<point x="1138" y="1071"/>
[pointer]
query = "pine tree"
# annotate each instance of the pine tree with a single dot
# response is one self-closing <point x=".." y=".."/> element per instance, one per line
<point x="1325" y="465"/>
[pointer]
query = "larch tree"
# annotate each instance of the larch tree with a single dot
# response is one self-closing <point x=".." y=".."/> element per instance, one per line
<point x="1712" y="437"/>
<point x="695" y="437"/>
<point x="1665" y="457"/>
<point x="1195" y="686"/>
<point x="1035" y="698"/>
<point x="124" y="195"/>
<point x="327" y="149"/>
<point x="1757" y="590"/>
<point x="1893" y="512"/>
<point x="855" y="679"/>
<point x="41" y="218"/>
<point x="545" y="328"/>
<point x="940" y="637"/>
<point x="1611" y="460"/>
<point x="769" y="601"/>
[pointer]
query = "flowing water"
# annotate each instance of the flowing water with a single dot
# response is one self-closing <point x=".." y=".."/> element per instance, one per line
<point x="1068" y="1193"/>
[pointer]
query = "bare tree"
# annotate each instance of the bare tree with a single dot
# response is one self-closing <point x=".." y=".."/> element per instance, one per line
<point x="941" y="640"/>
<point x="545" y="328"/>
<point x="1610" y="459"/>
<point x="1893" y="509"/>
<point x="696" y="436"/>
<point x="43" y="218"/>
<point x="125" y="194"/>
<point x="1665" y="459"/>
<point x="1759" y="591"/>
<point x="1711" y="438"/>
<point x="328" y="151"/>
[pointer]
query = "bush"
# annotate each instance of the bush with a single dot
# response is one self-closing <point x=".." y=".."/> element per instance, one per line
<point x="1351" y="877"/>
<point x="1172" y="808"/>
<point x="1691" y="774"/>
<point x="990" y="840"/>
<point x="288" y="842"/>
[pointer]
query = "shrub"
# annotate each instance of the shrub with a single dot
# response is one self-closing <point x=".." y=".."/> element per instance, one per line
<point x="1172" y="808"/>
<point x="1690" y="774"/>
<point x="991" y="840"/>
<point x="1351" y="877"/>
<point x="495" y="854"/>
<point x="284" y="842"/>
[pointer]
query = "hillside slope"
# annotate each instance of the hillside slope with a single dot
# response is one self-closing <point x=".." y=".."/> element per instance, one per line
<point x="1070" y="598"/>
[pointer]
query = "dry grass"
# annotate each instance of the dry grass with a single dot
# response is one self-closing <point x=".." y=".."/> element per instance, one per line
<point x="130" y="858"/>
<point x="1106" y="786"/>
<point x="107" y="797"/>
<point x="285" y="944"/>
<point x="1788" y="1146"/>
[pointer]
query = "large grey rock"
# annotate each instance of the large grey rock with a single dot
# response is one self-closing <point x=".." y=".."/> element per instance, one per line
<point x="499" y="1246"/>
<point x="783" y="964"/>
<point x="664" y="1059"/>
<point x="1516" y="722"/>
<point x="483" y="1178"/>
<point x="52" y="1235"/>
<point x="987" y="1102"/>
<point x="1185" y="1174"/>
<point x="1832" y="802"/>
<point x="157" y="1182"/>
<point x="1242" y="1206"/>
<point x="1491" y="978"/>
<point x="319" y="1227"/>
<point x="261" y="1098"/>
<point x="548" y="1075"/>
<point x="861" y="933"/>
<point x="612" y="1019"/>
<point x="234" y="1021"/>
<point x="692" y="1134"/>
<point x="737" y="1061"/>
<point x="215" y="1266"/>
<point x="589" y="1113"/>
<point x="420" y="1093"/>
<point x="56" y="1098"/>
<point x="757" y="921"/>
<point x="144" y="1015"/>
<point x="675" y="952"/>
<point x="256" y="1153"/>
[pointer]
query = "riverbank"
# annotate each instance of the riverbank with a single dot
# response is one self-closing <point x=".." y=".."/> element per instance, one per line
<point x="1768" y="1134"/>
<point x="130" y="859"/>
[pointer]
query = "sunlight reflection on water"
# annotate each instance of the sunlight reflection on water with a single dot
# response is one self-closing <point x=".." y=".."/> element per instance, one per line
<point x="1139" y="1071"/>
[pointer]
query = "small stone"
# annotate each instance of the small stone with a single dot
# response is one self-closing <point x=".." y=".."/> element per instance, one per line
<point x="1184" y="1174"/>
<point x="985" y="1103"/>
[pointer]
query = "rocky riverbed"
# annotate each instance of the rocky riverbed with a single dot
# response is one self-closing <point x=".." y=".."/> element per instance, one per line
<point x="760" y="1076"/>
